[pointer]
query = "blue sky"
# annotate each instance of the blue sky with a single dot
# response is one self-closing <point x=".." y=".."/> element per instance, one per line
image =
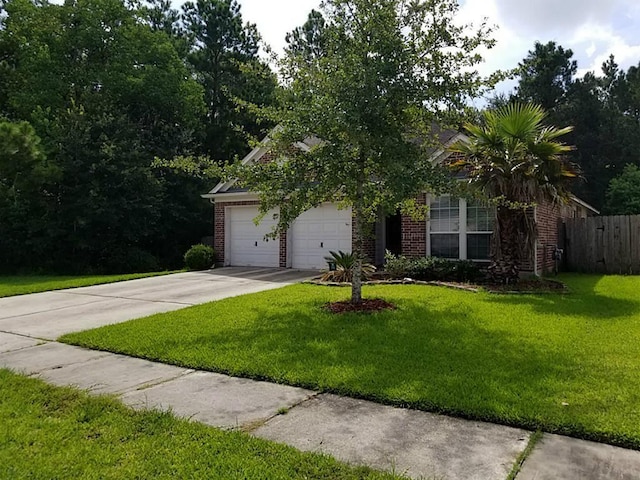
<point x="591" y="28"/>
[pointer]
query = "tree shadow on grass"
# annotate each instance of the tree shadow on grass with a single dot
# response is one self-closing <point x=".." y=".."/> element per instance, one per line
<point x="436" y="353"/>
<point x="582" y="300"/>
<point x="441" y="360"/>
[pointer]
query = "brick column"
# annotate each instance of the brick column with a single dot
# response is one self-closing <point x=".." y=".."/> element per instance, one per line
<point x="218" y="232"/>
<point x="414" y="233"/>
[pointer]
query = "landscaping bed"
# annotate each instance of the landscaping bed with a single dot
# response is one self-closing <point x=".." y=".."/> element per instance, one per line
<point x="52" y="432"/>
<point x="562" y="363"/>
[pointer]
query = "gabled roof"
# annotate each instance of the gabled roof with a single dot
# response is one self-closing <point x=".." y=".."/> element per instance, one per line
<point x="445" y="138"/>
<point x="585" y="204"/>
<point x="255" y="155"/>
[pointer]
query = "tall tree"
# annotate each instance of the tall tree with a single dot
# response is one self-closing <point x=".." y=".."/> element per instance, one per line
<point x="607" y="135"/>
<point x="25" y="176"/>
<point x="516" y="161"/>
<point x="599" y="105"/>
<point x="623" y="194"/>
<point x="224" y="53"/>
<point x="106" y="94"/>
<point x="546" y="75"/>
<point x="366" y="108"/>
<point x="308" y="40"/>
<point x="162" y="16"/>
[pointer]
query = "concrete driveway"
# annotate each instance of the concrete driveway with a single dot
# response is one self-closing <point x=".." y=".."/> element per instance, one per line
<point x="49" y="315"/>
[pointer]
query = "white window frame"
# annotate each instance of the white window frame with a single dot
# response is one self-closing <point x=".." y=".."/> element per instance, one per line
<point x="462" y="229"/>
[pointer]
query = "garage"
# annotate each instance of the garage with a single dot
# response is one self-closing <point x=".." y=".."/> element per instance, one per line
<point x="317" y="232"/>
<point x="245" y="241"/>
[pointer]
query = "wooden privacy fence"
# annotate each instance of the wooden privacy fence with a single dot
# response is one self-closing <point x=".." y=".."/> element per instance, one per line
<point x="602" y="244"/>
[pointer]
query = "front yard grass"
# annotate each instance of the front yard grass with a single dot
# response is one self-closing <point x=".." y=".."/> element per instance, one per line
<point x="562" y="363"/>
<point x="23" y="284"/>
<point x="52" y="432"/>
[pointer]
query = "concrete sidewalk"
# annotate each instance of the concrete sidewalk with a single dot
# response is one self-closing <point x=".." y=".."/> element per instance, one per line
<point x="414" y="443"/>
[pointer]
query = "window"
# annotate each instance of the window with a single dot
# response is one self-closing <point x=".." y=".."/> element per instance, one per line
<point x="479" y="227"/>
<point x="459" y="228"/>
<point x="444" y="219"/>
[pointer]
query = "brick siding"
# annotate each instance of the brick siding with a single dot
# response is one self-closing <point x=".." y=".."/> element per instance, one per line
<point x="548" y="219"/>
<point x="368" y="242"/>
<point x="414" y="233"/>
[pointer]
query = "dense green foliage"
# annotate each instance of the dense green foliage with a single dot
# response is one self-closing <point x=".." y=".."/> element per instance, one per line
<point x="224" y="54"/>
<point x="515" y="160"/>
<point x="199" y="257"/>
<point x="21" y="285"/>
<point x="365" y="87"/>
<point x="431" y="268"/>
<point x="105" y="95"/>
<point x="53" y="432"/>
<point x="564" y="363"/>
<point x="603" y="108"/>
<point x="341" y="265"/>
<point x="623" y="194"/>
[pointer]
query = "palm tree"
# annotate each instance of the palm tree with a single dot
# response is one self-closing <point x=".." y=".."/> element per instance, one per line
<point x="517" y="162"/>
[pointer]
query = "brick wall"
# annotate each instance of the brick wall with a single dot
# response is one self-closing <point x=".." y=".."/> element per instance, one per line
<point x="547" y="218"/>
<point x="267" y="158"/>
<point x="369" y="241"/>
<point x="414" y="233"/>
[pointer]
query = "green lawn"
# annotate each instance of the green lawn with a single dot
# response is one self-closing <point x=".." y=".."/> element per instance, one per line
<point x="562" y="363"/>
<point x="23" y="284"/>
<point x="51" y="432"/>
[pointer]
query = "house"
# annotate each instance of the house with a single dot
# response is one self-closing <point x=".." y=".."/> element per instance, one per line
<point x="455" y="228"/>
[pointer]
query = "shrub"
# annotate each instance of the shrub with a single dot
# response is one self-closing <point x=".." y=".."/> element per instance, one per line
<point x="396" y="266"/>
<point x="199" y="257"/>
<point x="344" y="268"/>
<point x="432" y="268"/>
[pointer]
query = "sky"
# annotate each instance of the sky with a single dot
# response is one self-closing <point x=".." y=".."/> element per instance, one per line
<point x="593" y="29"/>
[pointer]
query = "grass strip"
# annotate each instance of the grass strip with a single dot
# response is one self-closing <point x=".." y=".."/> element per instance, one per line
<point x="517" y="466"/>
<point x="53" y="432"/>
<point x="25" y="284"/>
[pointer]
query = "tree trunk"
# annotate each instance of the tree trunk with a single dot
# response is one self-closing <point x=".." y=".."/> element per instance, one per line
<point x="356" y="280"/>
<point x="507" y="248"/>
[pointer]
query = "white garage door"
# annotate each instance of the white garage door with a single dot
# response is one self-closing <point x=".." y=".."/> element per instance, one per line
<point x="246" y="245"/>
<point x="318" y="231"/>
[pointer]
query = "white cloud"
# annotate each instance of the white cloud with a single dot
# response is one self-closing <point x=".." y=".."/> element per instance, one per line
<point x="275" y="18"/>
<point x="593" y="29"/>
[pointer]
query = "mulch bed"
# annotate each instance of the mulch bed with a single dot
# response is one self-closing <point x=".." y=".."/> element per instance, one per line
<point x="522" y="287"/>
<point x="368" y="305"/>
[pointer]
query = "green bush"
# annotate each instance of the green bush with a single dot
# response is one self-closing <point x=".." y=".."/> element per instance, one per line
<point x="397" y="266"/>
<point x="432" y="268"/>
<point x="199" y="257"/>
<point x="344" y="263"/>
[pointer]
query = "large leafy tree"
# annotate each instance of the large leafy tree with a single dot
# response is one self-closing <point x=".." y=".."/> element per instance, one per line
<point x="623" y="194"/>
<point x="25" y="178"/>
<point x="365" y="107"/>
<point x="224" y="55"/>
<point x="107" y="94"/>
<point x="516" y="161"/>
